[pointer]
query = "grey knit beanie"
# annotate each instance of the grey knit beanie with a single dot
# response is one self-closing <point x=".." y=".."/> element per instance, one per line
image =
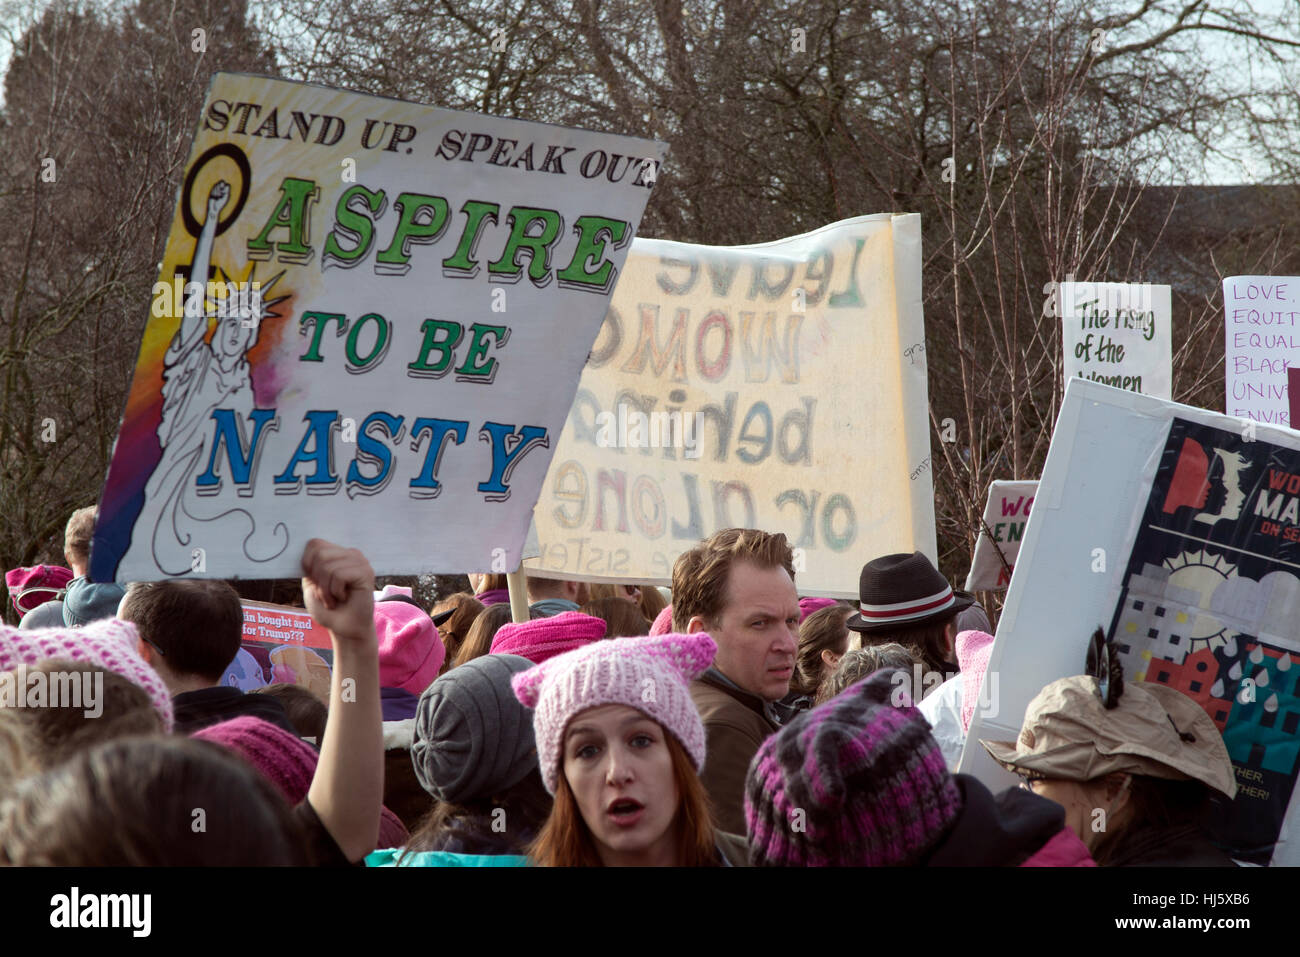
<point x="473" y="738"/>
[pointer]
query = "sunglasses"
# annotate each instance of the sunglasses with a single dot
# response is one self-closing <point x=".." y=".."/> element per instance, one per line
<point x="1028" y="778"/>
<point x="153" y="645"/>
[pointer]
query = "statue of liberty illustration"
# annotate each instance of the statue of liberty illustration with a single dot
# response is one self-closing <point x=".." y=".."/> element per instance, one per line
<point x="199" y="377"/>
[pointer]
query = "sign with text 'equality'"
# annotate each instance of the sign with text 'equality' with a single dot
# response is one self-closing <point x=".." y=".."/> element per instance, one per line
<point x="369" y="324"/>
<point x="1261" y="342"/>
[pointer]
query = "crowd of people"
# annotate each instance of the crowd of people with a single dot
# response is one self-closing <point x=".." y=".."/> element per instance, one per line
<point x="728" y="723"/>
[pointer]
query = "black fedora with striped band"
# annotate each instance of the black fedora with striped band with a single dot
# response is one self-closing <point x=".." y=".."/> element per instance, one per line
<point x="899" y="591"/>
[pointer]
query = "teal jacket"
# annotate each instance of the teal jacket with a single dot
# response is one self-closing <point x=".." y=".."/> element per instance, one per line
<point x="732" y="849"/>
<point x="388" y="858"/>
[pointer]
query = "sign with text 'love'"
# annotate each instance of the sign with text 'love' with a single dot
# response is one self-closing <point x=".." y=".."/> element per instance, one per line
<point x="779" y="386"/>
<point x="369" y="324"/>
<point x="1262" y="341"/>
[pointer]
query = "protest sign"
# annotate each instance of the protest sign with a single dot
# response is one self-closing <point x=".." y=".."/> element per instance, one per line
<point x="370" y="320"/>
<point x="779" y="386"/>
<point x="1005" y="518"/>
<point x="1184" y="549"/>
<point x="1261" y="342"/>
<point x="1119" y="334"/>
<point x="281" y="644"/>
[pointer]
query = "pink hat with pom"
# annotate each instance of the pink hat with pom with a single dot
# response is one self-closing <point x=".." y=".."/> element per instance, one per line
<point x="410" y="650"/>
<point x="651" y="674"/>
<point x="544" y="638"/>
<point x="108" y="642"/>
<point x="973" y="651"/>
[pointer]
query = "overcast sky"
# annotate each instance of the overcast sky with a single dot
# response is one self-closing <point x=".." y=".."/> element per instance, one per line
<point x="1237" y="161"/>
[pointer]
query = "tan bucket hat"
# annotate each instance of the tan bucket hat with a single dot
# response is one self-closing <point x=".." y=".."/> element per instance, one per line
<point x="1154" y="730"/>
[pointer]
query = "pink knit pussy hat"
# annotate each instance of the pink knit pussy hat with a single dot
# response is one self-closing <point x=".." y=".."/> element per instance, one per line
<point x="973" y="650"/>
<point x="663" y="622"/>
<point x="544" y="638"/>
<point x="808" y="606"/>
<point x="410" y="649"/>
<point x="108" y="642"/>
<point x="651" y="674"/>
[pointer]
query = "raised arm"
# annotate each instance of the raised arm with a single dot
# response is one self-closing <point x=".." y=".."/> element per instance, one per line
<point x="195" y="321"/>
<point x="347" y="790"/>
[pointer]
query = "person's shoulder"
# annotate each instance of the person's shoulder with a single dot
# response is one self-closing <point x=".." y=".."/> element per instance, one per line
<point x="946" y="698"/>
<point x="720" y="709"/>
<point x="1064" y="849"/>
<point x="47" y="615"/>
<point x="734" y="848"/>
<point x="1171" y="847"/>
<point x="707" y="694"/>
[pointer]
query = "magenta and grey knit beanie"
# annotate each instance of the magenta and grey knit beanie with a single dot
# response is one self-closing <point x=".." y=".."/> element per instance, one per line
<point x="108" y="642"/>
<point x="651" y="674"/>
<point x="857" y="782"/>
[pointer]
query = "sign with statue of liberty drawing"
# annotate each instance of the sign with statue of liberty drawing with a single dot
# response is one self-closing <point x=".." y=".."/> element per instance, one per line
<point x="369" y="325"/>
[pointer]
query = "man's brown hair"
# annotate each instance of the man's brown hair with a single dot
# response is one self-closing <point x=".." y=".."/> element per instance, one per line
<point x="197" y="624"/>
<point x="77" y="535"/>
<point x="700" y="575"/>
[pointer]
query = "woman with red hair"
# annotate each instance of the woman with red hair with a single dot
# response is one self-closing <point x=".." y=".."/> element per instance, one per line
<point x="620" y="745"/>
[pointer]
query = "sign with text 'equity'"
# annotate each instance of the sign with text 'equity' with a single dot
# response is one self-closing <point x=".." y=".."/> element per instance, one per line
<point x="1261" y="343"/>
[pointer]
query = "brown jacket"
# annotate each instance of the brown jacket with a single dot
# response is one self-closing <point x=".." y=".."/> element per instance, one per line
<point x="735" y="724"/>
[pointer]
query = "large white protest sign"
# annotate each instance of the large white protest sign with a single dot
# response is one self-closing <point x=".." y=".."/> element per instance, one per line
<point x="1005" y="518"/>
<point x="1261" y="341"/>
<point x="369" y="325"/>
<point x="1177" y="531"/>
<point x="779" y="386"/>
<point x="1119" y="334"/>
